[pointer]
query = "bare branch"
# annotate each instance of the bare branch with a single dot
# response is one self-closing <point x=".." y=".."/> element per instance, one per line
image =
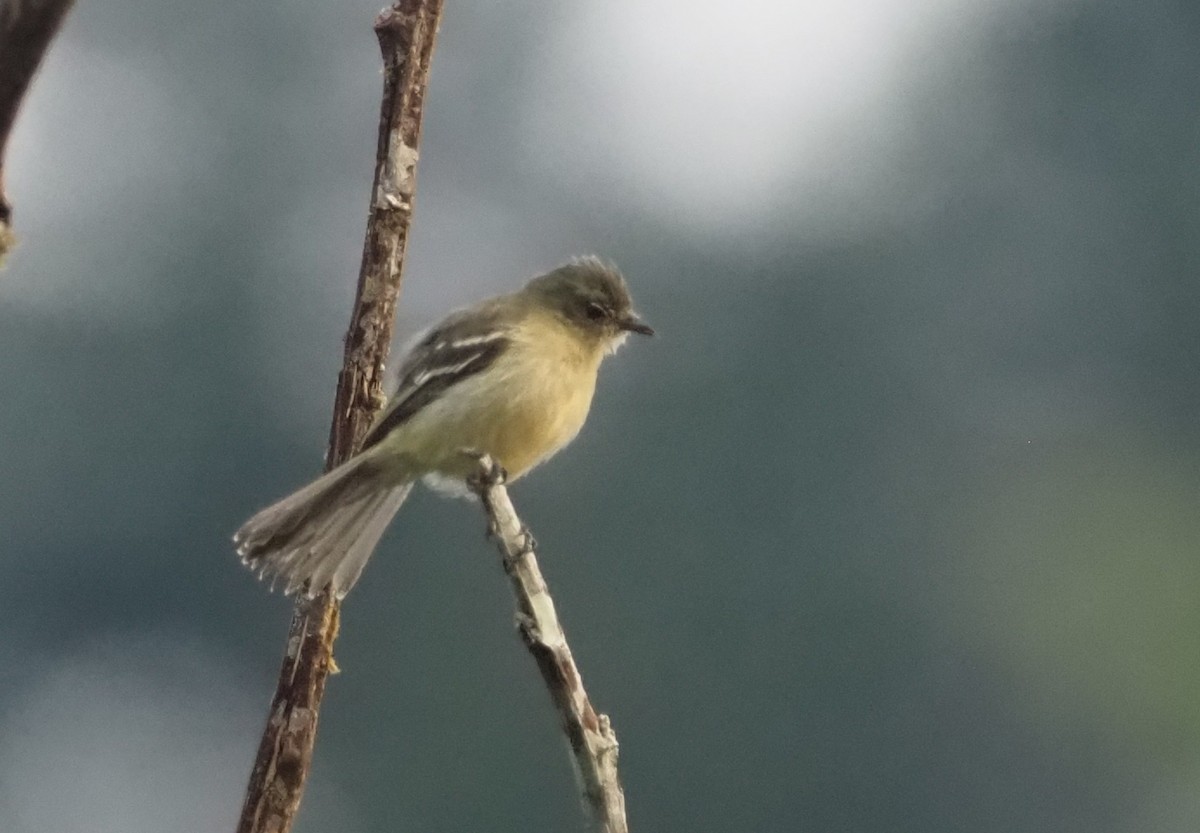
<point x="593" y="741"/>
<point x="26" y="29"/>
<point x="406" y="34"/>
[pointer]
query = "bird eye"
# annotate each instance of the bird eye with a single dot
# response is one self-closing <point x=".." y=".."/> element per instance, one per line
<point x="596" y="312"/>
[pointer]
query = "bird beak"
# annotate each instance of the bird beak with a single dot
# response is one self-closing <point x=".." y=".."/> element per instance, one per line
<point x="631" y="323"/>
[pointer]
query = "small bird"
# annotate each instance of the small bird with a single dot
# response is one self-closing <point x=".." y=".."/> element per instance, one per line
<point x="511" y="377"/>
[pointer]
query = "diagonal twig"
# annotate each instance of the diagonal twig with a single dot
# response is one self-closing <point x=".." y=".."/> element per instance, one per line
<point x="406" y="34"/>
<point x="26" y="29"/>
<point x="591" y="736"/>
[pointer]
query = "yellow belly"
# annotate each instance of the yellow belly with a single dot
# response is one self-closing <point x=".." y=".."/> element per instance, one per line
<point x="523" y="409"/>
<point x="535" y="422"/>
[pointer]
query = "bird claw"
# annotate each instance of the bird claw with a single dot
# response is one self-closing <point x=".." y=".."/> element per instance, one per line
<point x="489" y="474"/>
<point x="378" y="399"/>
<point x="528" y="542"/>
<point x="527" y="626"/>
<point x="526" y="545"/>
<point x="494" y="474"/>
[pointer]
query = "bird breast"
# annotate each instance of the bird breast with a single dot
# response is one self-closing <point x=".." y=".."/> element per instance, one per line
<point x="529" y="404"/>
<point x="545" y="393"/>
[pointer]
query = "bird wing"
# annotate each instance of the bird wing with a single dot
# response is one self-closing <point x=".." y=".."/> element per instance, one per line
<point x="464" y="344"/>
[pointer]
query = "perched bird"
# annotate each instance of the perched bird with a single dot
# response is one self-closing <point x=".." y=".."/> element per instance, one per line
<point x="511" y="377"/>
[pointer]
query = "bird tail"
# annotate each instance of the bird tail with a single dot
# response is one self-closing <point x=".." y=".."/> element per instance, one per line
<point x="324" y="533"/>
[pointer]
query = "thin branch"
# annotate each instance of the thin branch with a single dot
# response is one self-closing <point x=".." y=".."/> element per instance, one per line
<point x="406" y="34"/>
<point x="593" y="741"/>
<point x="26" y="29"/>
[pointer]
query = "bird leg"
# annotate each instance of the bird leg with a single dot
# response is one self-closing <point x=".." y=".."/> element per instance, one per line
<point x="489" y="472"/>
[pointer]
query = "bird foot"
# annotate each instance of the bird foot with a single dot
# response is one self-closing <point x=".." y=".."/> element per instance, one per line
<point x="378" y="398"/>
<point x="489" y="472"/>
<point x="526" y="544"/>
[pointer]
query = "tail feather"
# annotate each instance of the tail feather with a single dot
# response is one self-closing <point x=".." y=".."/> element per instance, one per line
<point x="324" y="533"/>
<point x="303" y="558"/>
<point x="347" y="569"/>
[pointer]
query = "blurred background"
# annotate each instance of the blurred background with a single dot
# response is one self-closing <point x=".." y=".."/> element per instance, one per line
<point x="893" y="528"/>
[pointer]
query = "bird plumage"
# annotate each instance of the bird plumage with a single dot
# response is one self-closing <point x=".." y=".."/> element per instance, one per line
<point x="512" y="377"/>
